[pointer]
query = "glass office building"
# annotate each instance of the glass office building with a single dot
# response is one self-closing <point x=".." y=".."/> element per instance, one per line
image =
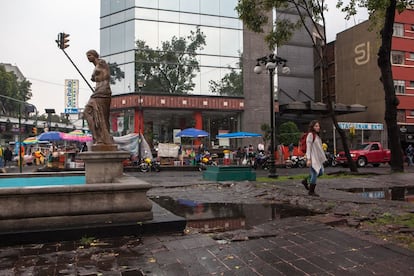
<point x="173" y="48"/>
<point x="159" y="26"/>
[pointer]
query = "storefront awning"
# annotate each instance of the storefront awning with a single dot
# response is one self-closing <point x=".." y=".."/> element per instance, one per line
<point x="319" y="108"/>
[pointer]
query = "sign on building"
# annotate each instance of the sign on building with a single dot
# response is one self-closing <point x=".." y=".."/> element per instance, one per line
<point x="71" y="96"/>
<point x="361" y="126"/>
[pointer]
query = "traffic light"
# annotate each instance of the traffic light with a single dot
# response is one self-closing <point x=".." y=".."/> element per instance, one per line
<point x="34" y="130"/>
<point x="63" y="40"/>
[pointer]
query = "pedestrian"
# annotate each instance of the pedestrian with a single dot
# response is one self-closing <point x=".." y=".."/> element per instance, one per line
<point x="2" y="169"/>
<point x="291" y="148"/>
<point x="315" y="157"/>
<point x="260" y="148"/>
<point x="8" y="157"/>
<point x="409" y="152"/>
<point x="180" y="154"/>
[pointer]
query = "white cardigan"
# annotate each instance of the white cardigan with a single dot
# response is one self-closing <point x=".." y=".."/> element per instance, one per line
<point x="314" y="152"/>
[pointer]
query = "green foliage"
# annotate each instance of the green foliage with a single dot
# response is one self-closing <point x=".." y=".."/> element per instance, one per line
<point x="87" y="240"/>
<point x="231" y="84"/>
<point x="115" y="72"/>
<point x="172" y="68"/>
<point x="266" y="132"/>
<point x="11" y="87"/>
<point x="406" y="220"/>
<point x="289" y="133"/>
<point x="255" y="15"/>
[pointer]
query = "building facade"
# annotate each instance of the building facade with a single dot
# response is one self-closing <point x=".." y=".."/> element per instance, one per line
<point x="358" y="76"/>
<point x="147" y="39"/>
<point x="153" y="42"/>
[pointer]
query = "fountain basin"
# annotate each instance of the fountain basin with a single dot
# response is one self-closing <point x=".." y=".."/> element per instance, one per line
<point x="45" y="208"/>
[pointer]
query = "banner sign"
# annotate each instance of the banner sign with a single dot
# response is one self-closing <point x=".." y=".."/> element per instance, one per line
<point x="361" y="126"/>
<point x="71" y="96"/>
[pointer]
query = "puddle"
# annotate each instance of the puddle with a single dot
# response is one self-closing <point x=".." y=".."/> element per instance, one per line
<point x="393" y="193"/>
<point x="227" y="216"/>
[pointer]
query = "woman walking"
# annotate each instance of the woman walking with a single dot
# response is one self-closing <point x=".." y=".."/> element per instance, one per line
<point x="315" y="156"/>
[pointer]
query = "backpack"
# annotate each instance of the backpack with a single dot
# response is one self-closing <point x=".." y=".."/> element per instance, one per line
<point x="302" y="141"/>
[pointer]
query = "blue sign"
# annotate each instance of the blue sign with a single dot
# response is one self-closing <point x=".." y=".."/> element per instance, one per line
<point x="71" y="110"/>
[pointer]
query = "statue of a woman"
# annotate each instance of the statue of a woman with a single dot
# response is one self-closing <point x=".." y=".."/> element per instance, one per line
<point x="97" y="109"/>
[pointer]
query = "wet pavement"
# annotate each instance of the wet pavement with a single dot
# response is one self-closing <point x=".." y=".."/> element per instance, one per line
<point x="219" y="242"/>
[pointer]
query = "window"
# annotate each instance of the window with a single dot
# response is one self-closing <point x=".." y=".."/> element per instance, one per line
<point x="399" y="86"/>
<point x="411" y="84"/>
<point x="412" y="27"/>
<point x="411" y="55"/>
<point x="398" y="30"/>
<point x="397" y="57"/>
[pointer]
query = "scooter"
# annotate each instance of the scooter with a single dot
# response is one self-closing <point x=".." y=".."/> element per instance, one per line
<point x="295" y="162"/>
<point x="206" y="160"/>
<point x="330" y="160"/>
<point x="147" y="164"/>
<point x="261" y="161"/>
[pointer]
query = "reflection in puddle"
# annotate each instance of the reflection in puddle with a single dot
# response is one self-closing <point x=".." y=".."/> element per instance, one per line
<point x="393" y="193"/>
<point x="227" y="216"/>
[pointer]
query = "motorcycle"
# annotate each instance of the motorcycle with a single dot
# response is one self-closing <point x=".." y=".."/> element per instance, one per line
<point x="147" y="164"/>
<point x="295" y="162"/>
<point x="261" y="161"/>
<point x="330" y="160"/>
<point x="205" y="160"/>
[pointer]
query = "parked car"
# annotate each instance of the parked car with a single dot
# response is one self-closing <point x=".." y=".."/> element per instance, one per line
<point x="366" y="153"/>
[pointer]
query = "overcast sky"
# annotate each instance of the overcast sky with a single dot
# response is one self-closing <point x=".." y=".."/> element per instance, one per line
<point x="29" y="28"/>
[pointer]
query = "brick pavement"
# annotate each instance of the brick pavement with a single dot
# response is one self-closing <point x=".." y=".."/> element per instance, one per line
<point x="290" y="246"/>
<point x="293" y="246"/>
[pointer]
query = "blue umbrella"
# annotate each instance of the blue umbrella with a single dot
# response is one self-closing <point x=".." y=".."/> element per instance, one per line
<point x="192" y="132"/>
<point x="50" y="136"/>
<point x="241" y="134"/>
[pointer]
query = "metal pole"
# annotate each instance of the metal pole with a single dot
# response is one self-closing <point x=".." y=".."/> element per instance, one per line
<point x="20" y="139"/>
<point x="78" y="70"/>
<point x="272" y="167"/>
<point x="140" y="124"/>
<point x="334" y="138"/>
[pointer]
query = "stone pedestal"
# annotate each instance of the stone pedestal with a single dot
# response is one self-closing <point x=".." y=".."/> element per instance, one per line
<point x="103" y="166"/>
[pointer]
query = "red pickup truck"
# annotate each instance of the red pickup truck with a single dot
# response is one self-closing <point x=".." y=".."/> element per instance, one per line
<point x="367" y="153"/>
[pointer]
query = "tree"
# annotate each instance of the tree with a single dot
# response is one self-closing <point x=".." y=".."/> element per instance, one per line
<point x="11" y="87"/>
<point x="231" y="84"/>
<point x="254" y="14"/>
<point x="172" y="68"/>
<point x="289" y="133"/>
<point x="382" y="13"/>
<point x="266" y="133"/>
<point x="115" y="72"/>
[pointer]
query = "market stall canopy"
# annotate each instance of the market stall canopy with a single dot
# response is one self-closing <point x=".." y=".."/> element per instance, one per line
<point x="30" y="141"/>
<point x="241" y="134"/>
<point x="76" y="135"/>
<point x="50" y="136"/>
<point x="193" y="133"/>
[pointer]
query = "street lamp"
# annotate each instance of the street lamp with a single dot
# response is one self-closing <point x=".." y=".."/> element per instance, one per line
<point x="271" y="62"/>
<point x="141" y="115"/>
<point x="49" y="112"/>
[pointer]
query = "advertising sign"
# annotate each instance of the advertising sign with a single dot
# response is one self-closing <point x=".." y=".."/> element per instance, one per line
<point x="71" y="95"/>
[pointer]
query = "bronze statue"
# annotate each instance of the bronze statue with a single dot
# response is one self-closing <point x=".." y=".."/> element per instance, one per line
<point x="97" y="109"/>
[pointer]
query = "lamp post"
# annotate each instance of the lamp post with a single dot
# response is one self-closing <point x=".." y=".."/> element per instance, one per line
<point x="49" y="112"/>
<point x="271" y="62"/>
<point x="141" y="113"/>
